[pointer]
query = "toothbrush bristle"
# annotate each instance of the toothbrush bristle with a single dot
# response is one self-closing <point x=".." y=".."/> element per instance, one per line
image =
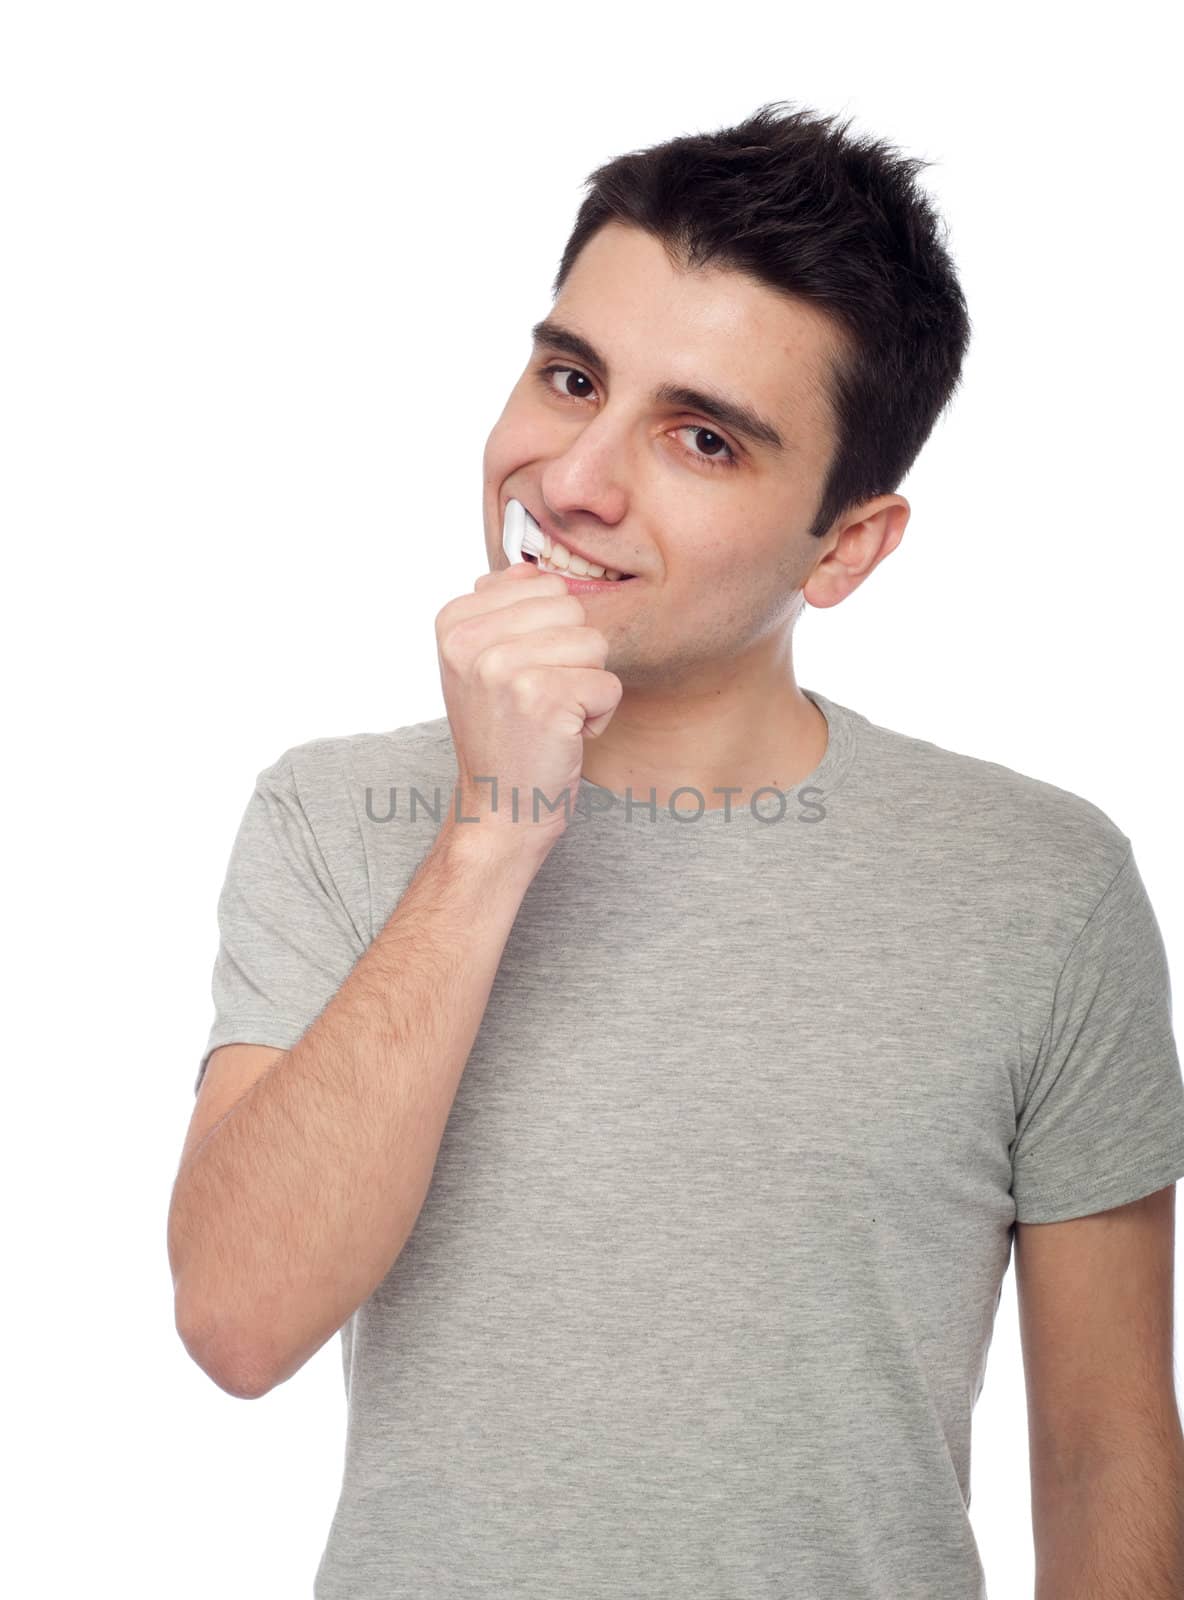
<point x="532" y="535"/>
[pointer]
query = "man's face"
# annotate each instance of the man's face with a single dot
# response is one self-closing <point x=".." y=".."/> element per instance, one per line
<point x="712" y="522"/>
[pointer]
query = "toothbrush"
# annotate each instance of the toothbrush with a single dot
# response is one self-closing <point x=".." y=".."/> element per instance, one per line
<point x="520" y="532"/>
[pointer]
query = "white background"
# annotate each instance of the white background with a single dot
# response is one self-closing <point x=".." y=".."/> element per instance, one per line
<point x="268" y="273"/>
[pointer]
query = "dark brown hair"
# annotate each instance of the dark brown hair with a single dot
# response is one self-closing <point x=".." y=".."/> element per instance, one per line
<point x="789" y="199"/>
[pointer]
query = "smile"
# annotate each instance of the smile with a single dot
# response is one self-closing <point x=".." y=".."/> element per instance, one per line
<point x="557" y="558"/>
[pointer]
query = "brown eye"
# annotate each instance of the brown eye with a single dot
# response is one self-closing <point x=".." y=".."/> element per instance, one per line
<point x="711" y="456"/>
<point x="571" y="372"/>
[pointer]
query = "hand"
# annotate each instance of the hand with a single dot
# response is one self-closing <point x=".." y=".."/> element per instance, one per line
<point x="524" y="681"/>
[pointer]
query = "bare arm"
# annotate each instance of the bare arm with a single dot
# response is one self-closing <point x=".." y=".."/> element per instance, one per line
<point x="294" y="1208"/>
<point x="289" y="1213"/>
<point x="1116" y="1532"/>
<point x="1106" y="1449"/>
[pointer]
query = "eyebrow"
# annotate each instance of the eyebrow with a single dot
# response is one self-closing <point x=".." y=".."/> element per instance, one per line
<point x="732" y="414"/>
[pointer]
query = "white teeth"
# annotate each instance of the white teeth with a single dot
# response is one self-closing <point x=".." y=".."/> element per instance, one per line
<point x="609" y="576"/>
<point x="563" y="560"/>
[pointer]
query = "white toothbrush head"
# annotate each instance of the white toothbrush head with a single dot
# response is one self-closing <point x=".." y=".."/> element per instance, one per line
<point x="520" y="532"/>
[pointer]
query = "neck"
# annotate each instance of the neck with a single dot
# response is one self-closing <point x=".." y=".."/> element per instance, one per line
<point x="733" y="733"/>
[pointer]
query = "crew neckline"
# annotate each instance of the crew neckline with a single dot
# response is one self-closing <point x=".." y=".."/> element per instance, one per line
<point x="826" y="776"/>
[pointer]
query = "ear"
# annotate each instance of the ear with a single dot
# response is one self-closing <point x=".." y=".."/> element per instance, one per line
<point x="872" y="532"/>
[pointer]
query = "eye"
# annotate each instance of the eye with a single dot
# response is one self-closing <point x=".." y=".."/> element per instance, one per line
<point x="730" y="459"/>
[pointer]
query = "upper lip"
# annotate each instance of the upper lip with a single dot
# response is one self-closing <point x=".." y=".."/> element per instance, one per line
<point x="562" y="538"/>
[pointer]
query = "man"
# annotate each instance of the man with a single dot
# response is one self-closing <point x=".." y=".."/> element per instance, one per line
<point x="654" y="1117"/>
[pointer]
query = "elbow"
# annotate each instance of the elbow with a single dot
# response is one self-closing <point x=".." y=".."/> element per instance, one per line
<point x="240" y="1381"/>
<point x="231" y="1364"/>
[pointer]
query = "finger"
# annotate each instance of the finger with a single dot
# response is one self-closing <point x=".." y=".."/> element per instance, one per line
<point x="548" y="647"/>
<point x="510" y="592"/>
<point x="513" y="573"/>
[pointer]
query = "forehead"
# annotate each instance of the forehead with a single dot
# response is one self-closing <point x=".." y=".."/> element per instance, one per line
<point x="658" y="322"/>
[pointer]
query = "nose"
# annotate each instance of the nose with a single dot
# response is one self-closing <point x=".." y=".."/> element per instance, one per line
<point x="590" y="475"/>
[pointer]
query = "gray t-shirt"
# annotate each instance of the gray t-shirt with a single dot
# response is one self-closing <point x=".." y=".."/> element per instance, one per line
<point x="700" y="1298"/>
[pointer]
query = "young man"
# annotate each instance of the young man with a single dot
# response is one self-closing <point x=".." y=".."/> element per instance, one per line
<point x="655" y="1116"/>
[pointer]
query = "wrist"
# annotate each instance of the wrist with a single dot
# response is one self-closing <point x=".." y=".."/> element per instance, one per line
<point x="502" y="846"/>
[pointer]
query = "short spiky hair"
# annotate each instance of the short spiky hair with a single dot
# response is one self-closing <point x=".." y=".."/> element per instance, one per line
<point x="836" y="222"/>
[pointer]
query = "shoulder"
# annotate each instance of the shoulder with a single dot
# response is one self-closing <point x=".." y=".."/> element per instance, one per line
<point x="980" y="816"/>
<point x="332" y="762"/>
<point x="329" y="777"/>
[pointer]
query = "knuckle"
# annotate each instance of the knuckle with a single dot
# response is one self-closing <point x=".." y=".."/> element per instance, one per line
<point x="454" y="642"/>
<point x="446" y="647"/>
<point x="526" y="692"/>
<point x="487" y="668"/>
<point x="449" y="648"/>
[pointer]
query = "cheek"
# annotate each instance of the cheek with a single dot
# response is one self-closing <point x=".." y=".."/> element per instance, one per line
<point x="513" y="441"/>
<point x="743" y="588"/>
<point x="728" y="568"/>
<point x="496" y="458"/>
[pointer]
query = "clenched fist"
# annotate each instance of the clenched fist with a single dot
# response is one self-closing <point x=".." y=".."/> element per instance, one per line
<point x="524" y="680"/>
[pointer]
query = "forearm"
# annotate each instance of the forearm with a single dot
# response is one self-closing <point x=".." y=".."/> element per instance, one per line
<point x="297" y="1204"/>
<point x="1115" y="1532"/>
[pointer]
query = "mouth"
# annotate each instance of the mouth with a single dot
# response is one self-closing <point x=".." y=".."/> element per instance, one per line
<point x="586" y="580"/>
<point x="571" y="564"/>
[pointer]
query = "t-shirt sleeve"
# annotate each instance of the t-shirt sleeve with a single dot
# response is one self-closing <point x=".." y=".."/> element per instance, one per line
<point x="1102" y="1119"/>
<point x="286" y="938"/>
